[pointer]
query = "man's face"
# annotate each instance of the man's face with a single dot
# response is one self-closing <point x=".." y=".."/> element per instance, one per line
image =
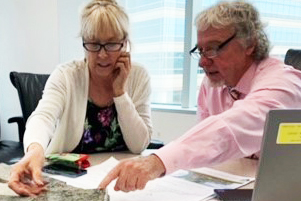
<point x="232" y="59"/>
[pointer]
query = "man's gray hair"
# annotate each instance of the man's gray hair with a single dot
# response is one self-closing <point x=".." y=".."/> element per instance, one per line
<point x="244" y="18"/>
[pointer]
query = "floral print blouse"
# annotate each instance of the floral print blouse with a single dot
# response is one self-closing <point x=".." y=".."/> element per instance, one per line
<point x="101" y="130"/>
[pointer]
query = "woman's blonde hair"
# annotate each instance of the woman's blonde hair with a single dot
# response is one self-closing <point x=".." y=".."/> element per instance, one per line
<point x="101" y="16"/>
<point x="244" y="18"/>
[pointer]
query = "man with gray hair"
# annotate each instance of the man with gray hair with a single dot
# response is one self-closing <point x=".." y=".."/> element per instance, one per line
<point x="241" y="85"/>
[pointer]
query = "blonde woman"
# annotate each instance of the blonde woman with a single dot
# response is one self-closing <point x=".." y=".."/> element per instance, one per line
<point x="100" y="103"/>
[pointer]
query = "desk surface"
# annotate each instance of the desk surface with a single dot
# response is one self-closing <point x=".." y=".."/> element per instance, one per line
<point x="242" y="167"/>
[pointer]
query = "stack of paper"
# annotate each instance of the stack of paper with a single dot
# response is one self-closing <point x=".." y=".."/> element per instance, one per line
<point x="181" y="185"/>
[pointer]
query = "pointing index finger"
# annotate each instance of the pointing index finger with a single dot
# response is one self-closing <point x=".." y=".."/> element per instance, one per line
<point x="113" y="174"/>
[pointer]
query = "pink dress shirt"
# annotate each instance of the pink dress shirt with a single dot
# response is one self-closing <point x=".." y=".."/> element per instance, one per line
<point x="231" y="128"/>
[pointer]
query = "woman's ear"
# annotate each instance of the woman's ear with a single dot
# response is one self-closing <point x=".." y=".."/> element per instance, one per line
<point x="126" y="46"/>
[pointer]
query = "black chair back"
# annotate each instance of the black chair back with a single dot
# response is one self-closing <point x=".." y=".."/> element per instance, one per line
<point x="293" y="58"/>
<point x="30" y="89"/>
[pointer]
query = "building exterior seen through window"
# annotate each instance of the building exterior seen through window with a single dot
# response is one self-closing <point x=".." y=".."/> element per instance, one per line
<point x="158" y="34"/>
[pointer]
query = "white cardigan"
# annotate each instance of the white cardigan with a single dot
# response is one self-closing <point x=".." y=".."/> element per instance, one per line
<point x="57" y="124"/>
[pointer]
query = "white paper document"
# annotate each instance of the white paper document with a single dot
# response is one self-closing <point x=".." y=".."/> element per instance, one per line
<point x="182" y="185"/>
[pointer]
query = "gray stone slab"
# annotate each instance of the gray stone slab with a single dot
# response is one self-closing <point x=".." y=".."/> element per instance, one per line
<point x="57" y="191"/>
<point x="4" y="172"/>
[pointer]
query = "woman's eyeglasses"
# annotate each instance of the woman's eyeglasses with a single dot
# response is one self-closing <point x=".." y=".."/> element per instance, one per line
<point x="96" y="47"/>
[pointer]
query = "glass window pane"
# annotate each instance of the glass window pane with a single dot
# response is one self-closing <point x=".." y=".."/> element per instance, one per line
<point x="157" y="30"/>
<point x="157" y="33"/>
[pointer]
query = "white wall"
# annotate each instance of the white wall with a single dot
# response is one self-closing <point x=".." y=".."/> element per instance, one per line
<point x="29" y="43"/>
<point x="69" y="40"/>
<point x="36" y="36"/>
<point x="170" y="125"/>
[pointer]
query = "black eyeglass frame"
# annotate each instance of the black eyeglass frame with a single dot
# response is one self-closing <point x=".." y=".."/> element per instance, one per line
<point x="200" y="53"/>
<point x="103" y="46"/>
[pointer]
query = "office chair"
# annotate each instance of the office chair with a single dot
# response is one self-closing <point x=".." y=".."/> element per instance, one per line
<point x="10" y="151"/>
<point x="293" y="58"/>
<point x="30" y="88"/>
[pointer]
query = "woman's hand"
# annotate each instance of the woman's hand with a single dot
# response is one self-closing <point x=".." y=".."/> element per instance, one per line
<point x="26" y="175"/>
<point x="120" y="73"/>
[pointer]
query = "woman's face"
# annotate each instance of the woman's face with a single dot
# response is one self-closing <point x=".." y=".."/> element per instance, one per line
<point x="102" y="53"/>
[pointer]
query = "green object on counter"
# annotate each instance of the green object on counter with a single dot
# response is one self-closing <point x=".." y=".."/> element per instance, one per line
<point x="69" y="159"/>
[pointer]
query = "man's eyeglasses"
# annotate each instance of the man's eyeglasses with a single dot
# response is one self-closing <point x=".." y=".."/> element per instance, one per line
<point x="109" y="47"/>
<point x="196" y="54"/>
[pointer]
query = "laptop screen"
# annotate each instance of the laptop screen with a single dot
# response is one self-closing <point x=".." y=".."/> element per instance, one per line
<point x="279" y="172"/>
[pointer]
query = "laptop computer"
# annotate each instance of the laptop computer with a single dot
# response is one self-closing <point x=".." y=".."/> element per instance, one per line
<point x="279" y="172"/>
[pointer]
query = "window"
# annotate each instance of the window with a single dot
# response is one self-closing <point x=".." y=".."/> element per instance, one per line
<point x="157" y="33"/>
<point x="162" y="33"/>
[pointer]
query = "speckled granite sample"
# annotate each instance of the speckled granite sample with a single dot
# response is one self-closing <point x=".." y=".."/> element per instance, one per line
<point x="4" y="172"/>
<point x="57" y="191"/>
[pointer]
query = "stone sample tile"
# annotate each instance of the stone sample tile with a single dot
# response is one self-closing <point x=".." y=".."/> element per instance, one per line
<point x="57" y="191"/>
<point x="4" y="172"/>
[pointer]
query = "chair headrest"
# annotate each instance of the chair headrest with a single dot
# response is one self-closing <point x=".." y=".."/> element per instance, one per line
<point x="293" y="58"/>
